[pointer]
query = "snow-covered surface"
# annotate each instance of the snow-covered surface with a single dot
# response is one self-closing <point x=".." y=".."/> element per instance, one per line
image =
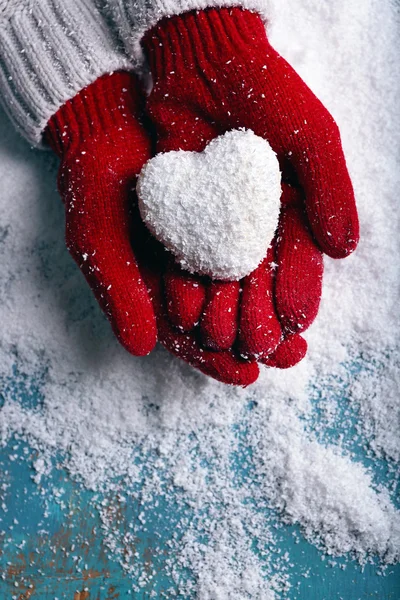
<point x="109" y="414"/>
<point x="216" y="210"/>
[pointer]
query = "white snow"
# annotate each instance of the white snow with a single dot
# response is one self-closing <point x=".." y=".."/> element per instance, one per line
<point x="216" y="210"/>
<point x="101" y="409"/>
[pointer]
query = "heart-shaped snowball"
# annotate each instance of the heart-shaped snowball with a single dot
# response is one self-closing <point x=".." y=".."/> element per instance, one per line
<point x="215" y="210"/>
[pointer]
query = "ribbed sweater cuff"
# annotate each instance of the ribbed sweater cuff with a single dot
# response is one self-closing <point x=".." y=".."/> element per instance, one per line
<point x="135" y="17"/>
<point x="49" y="51"/>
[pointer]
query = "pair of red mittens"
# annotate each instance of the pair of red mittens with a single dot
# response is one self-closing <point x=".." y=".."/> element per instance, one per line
<point x="213" y="71"/>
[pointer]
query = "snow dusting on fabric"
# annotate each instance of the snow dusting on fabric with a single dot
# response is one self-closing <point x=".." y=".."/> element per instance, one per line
<point x="233" y="468"/>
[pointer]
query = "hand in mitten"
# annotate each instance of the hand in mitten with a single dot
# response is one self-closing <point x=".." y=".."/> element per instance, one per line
<point x="103" y="146"/>
<point x="213" y="71"/>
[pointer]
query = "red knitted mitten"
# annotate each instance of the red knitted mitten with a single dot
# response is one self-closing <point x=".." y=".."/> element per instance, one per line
<point x="103" y="146"/>
<point x="214" y="70"/>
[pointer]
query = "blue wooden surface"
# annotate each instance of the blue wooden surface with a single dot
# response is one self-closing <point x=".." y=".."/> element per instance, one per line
<point x="53" y="547"/>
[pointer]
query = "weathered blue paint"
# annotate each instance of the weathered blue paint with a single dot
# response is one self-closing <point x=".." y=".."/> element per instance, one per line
<point x="62" y="554"/>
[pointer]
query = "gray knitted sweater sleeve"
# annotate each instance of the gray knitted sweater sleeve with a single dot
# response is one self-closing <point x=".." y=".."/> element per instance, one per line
<point x="49" y="51"/>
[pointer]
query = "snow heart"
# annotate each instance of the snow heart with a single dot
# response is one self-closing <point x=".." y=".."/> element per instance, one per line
<point x="217" y="210"/>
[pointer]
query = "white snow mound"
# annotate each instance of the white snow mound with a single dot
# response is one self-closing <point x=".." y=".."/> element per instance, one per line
<point x="217" y="210"/>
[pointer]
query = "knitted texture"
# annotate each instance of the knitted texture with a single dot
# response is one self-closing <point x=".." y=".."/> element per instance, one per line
<point x="213" y="71"/>
<point x="289" y="352"/>
<point x="134" y="18"/>
<point x="157" y="269"/>
<point x="225" y="366"/>
<point x="49" y="51"/>
<point x="103" y="146"/>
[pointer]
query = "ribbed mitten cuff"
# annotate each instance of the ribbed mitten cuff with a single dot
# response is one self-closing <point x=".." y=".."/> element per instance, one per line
<point x="49" y="51"/>
<point x="111" y="103"/>
<point x="197" y="39"/>
<point x="135" y="18"/>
